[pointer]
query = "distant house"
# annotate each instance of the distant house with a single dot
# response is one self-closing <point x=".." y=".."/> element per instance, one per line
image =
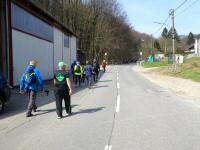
<point x="27" y="32"/>
<point x="160" y="55"/>
<point x="197" y="45"/>
<point x="190" y="49"/>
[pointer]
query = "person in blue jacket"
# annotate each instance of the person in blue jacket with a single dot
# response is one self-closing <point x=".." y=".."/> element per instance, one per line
<point x="3" y="81"/>
<point x="88" y="73"/>
<point x="31" y="82"/>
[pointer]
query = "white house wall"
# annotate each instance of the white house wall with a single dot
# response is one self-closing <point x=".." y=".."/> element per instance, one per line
<point x="66" y="56"/>
<point x="58" y="47"/>
<point x="62" y="53"/>
<point x="73" y="49"/>
<point x="25" y="48"/>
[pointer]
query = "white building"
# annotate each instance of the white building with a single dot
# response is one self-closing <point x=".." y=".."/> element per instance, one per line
<point x="33" y="34"/>
<point x="197" y="45"/>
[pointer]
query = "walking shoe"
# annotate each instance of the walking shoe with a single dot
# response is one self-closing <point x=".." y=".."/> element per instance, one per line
<point x="29" y="115"/>
<point x="59" y="117"/>
<point x="35" y="109"/>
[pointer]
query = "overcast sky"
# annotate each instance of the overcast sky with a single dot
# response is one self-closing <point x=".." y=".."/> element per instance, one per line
<point x="142" y="14"/>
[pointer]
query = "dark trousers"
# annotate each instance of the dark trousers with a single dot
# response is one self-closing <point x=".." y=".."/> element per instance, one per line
<point x="83" y="78"/>
<point x="32" y="99"/>
<point x="60" y="95"/>
<point x="88" y="79"/>
<point x="78" y="79"/>
<point x="104" y="69"/>
<point x="95" y="76"/>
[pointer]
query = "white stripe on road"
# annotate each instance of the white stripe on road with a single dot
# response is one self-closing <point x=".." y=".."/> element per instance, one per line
<point x="118" y="85"/>
<point x="117" y="78"/>
<point x="108" y="147"/>
<point x="118" y="103"/>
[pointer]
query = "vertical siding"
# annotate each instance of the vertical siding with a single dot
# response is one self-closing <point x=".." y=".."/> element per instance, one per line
<point x="58" y="47"/>
<point x="62" y="53"/>
<point x="73" y="49"/>
<point x="25" y="48"/>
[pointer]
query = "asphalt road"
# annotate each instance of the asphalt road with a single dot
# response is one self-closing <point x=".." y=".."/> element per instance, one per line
<point x="123" y="111"/>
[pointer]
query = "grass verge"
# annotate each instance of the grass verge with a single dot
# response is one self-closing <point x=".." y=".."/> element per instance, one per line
<point x="155" y="64"/>
<point x="190" y="69"/>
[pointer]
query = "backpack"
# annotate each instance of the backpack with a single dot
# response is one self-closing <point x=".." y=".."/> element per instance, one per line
<point x="30" y="77"/>
<point x="78" y="69"/>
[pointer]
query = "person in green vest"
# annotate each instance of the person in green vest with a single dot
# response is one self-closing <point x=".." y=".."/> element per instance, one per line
<point x="78" y="72"/>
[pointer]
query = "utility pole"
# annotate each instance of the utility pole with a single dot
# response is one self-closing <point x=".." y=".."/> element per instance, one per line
<point x="171" y="12"/>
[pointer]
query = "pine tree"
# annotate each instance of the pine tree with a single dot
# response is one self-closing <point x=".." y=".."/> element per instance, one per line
<point x="190" y="39"/>
<point x="176" y="36"/>
<point x="165" y="33"/>
<point x="157" y="45"/>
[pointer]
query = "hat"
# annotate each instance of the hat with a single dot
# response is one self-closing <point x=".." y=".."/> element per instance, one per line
<point x="33" y="62"/>
<point x="61" y="64"/>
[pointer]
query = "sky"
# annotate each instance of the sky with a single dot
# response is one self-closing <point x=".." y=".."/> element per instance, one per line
<point x="142" y="13"/>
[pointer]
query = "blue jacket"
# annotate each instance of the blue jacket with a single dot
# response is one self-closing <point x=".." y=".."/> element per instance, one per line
<point x="88" y="70"/>
<point x="2" y="81"/>
<point x="35" y="86"/>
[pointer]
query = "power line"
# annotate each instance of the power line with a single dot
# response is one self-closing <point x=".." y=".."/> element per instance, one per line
<point x="187" y="8"/>
<point x="180" y="5"/>
<point x="161" y="25"/>
<point x="169" y="17"/>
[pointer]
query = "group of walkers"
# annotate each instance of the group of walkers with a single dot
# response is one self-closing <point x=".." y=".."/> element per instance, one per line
<point x="31" y="82"/>
<point x="85" y="73"/>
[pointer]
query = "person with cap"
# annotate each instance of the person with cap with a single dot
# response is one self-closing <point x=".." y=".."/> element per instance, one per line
<point x="78" y="72"/>
<point x="31" y="82"/>
<point x="63" y="89"/>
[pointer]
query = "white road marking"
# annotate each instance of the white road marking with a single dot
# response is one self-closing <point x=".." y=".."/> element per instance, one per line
<point x="108" y="147"/>
<point x="118" y="103"/>
<point x="117" y="78"/>
<point x="117" y="85"/>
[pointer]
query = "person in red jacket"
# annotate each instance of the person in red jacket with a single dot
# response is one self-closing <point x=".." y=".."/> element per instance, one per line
<point x="104" y="64"/>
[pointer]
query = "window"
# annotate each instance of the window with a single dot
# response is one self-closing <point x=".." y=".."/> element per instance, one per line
<point x="24" y="21"/>
<point x="66" y="41"/>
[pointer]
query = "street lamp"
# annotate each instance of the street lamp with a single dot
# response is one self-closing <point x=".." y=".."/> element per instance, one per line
<point x="141" y="55"/>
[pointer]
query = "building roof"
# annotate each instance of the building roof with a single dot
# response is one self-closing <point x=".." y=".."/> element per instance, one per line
<point x="31" y="5"/>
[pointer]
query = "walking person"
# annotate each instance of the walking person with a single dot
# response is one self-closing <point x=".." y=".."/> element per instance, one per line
<point x="83" y="74"/>
<point x="96" y="69"/>
<point x="31" y="82"/>
<point x="88" y="73"/>
<point x="63" y="89"/>
<point x="72" y="70"/>
<point x="104" y="64"/>
<point x="78" y="72"/>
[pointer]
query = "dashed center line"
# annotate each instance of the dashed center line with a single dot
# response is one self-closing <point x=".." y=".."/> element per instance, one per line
<point x="108" y="147"/>
<point x="118" y="85"/>
<point x="118" y="104"/>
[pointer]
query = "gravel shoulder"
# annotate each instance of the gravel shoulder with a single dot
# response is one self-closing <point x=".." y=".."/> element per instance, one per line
<point x="185" y="88"/>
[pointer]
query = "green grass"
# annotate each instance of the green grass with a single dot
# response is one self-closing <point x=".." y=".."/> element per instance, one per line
<point x="188" y="70"/>
<point x="155" y="64"/>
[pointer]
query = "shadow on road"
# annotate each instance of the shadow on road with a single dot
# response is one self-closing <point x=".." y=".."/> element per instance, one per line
<point x="106" y="81"/>
<point x="87" y="111"/>
<point x="97" y="87"/>
<point x="18" y="103"/>
<point x="46" y="111"/>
